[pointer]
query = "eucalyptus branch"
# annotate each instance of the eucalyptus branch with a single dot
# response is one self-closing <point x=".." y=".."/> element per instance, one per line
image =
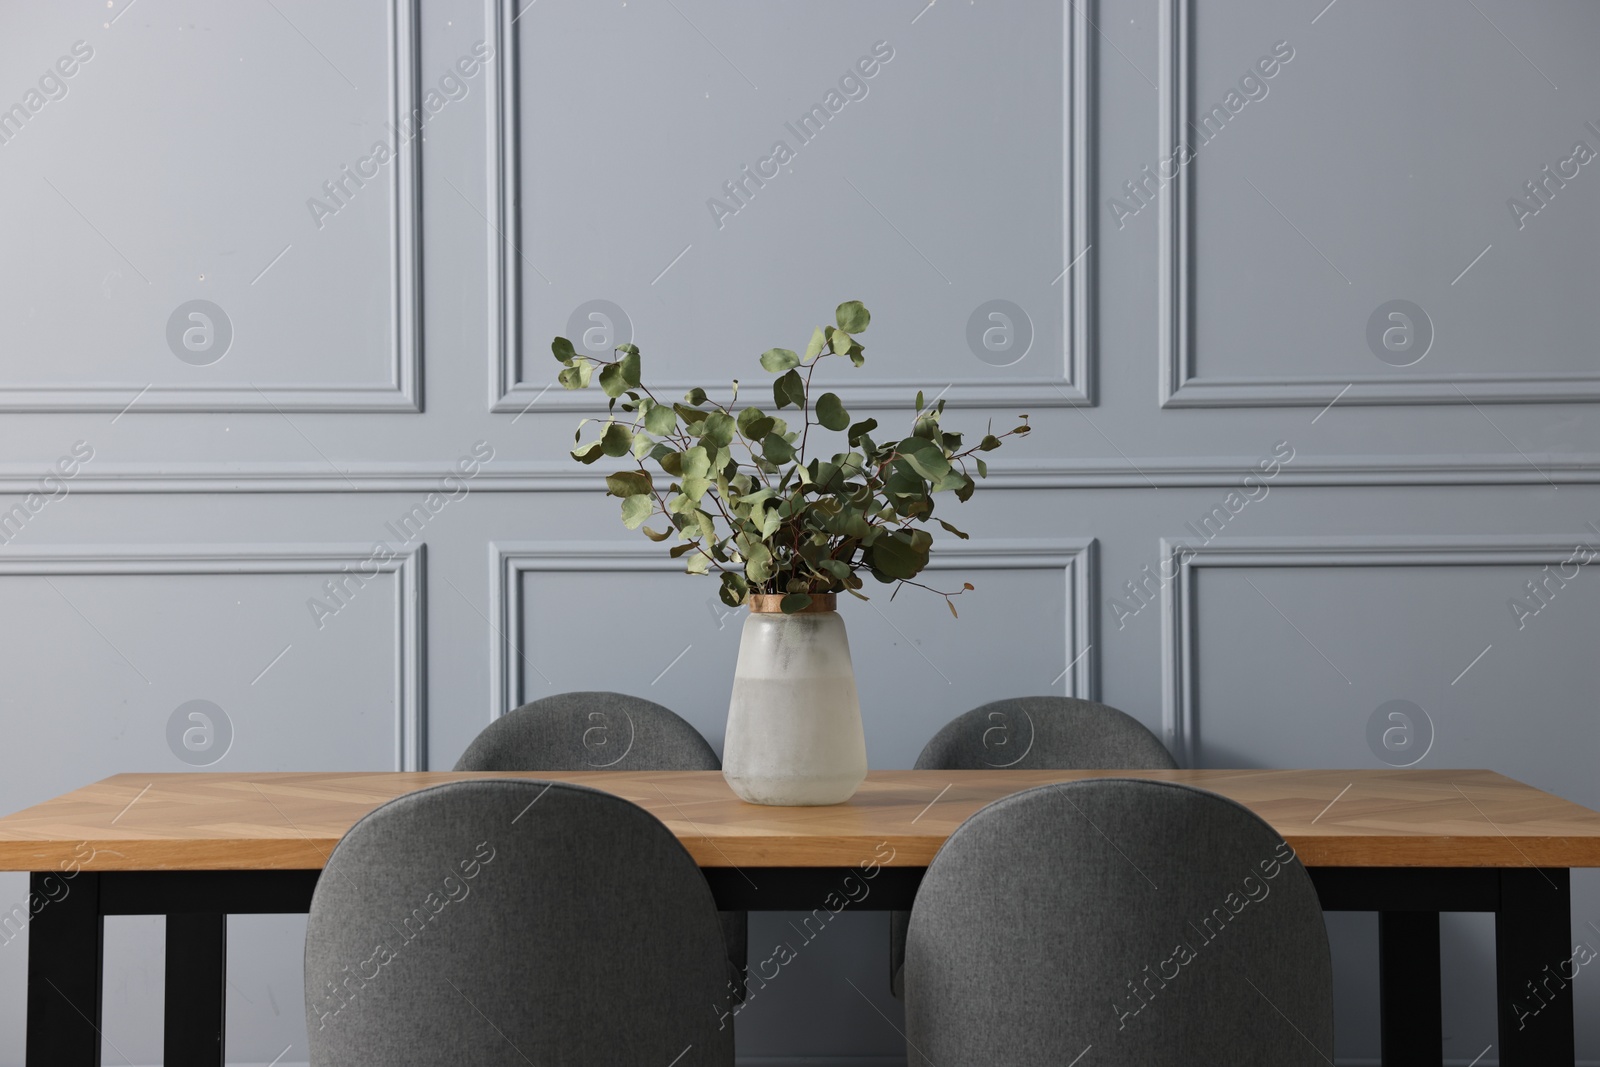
<point x="842" y="518"/>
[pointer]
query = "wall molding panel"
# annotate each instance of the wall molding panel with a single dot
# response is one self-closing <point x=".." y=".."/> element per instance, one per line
<point x="553" y="476"/>
<point x="1179" y="692"/>
<point x="508" y="392"/>
<point x="399" y="392"/>
<point x="1077" y="558"/>
<point x="410" y="684"/>
<point x="1182" y="387"/>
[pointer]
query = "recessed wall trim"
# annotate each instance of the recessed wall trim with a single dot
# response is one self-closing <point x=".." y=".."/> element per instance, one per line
<point x="410" y="685"/>
<point x="1180" y="696"/>
<point x="1180" y="384"/>
<point x="402" y="389"/>
<point x="509" y="560"/>
<point x="554" y="476"/>
<point x="508" y="392"/>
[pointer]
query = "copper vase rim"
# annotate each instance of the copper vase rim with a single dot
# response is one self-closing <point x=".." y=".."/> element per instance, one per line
<point x="771" y="603"/>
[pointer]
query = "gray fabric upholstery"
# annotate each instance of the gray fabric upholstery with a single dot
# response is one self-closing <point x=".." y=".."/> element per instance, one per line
<point x="513" y="922"/>
<point x="589" y="731"/>
<point x="1157" y="923"/>
<point x="1044" y="733"/>
<point x="1032" y="733"/>
<point x="604" y="731"/>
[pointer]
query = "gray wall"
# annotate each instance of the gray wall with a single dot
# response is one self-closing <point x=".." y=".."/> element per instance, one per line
<point x="1204" y="327"/>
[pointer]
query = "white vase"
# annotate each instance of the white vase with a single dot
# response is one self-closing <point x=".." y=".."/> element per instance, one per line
<point x="794" y="721"/>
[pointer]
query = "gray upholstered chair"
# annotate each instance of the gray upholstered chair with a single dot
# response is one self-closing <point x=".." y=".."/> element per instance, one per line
<point x="511" y="922"/>
<point x="589" y="732"/>
<point x="1151" y="922"/>
<point x="1044" y="733"/>
<point x="1032" y="733"/>
<point x="604" y="731"/>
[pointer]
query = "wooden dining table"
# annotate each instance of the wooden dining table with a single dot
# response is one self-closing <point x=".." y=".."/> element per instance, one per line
<point x="198" y="847"/>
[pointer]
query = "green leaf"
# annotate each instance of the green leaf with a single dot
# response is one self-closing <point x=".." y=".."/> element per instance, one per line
<point x="660" y="420"/>
<point x="852" y="316"/>
<point x="838" y="568"/>
<point x="588" y="453"/>
<point x="983" y="468"/>
<point x="617" y="440"/>
<point x="859" y="430"/>
<point x="629" y="483"/>
<point x="819" y="341"/>
<point x="758" y="563"/>
<point x="698" y="563"/>
<point x="696" y="462"/>
<point x="920" y="405"/>
<point x="896" y="558"/>
<point x="831" y="413"/>
<point x="717" y="429"/>
<point x="769" y="519"/>
<point x="952" y="529"/>
<point x="630" y="366"/>
<point x="636" y="509"/>
<point x="790" y="389"/>
<point x="777" y="450"/>
<point x="840" y="341"/>
<point x="695" y="396"/>
<point x="576" y="376"/>
<point x="927" y="461"/>
<point x="755" y="424"/>
<point x="563" y="350"/>
<point x="989" y="443"/>
<point x="662" y="536"/>
<point x="734" y="589"/>
<point x="795" y="603"/>
<point x="611" y="380"/>
<point x="778" y="360"/>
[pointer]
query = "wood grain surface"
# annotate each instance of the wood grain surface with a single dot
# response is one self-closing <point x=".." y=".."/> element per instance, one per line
<point x="1365" y="818"/>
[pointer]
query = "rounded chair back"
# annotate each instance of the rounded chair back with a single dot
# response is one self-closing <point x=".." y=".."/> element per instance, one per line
<point x="1045" y="733"/>
<point x="1151" y="922"/>
<point x="589" y="731"/>
<point x="509" y="922"/>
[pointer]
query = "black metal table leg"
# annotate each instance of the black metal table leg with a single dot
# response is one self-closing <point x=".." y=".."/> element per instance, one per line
<point x="197" y="973"/>
<point x="1533" y="952"/>
<point x="65" y="938"/>
<point x="1409" y="989"/>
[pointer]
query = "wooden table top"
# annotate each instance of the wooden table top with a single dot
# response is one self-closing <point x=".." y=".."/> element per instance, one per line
<point x="1353" y="818"/>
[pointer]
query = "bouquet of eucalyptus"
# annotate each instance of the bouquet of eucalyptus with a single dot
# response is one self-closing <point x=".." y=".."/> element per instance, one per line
<point x="743" y="493"/>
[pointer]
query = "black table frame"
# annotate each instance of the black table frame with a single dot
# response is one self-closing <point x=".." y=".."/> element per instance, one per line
<point x="1532" y="909"/>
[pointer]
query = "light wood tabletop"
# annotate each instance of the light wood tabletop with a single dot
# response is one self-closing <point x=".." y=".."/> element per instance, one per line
<point x="290" y="820"/>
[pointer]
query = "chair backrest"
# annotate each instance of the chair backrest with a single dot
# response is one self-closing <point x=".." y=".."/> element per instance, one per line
<point x="504" y="922"/>
<point x="1153" y="922"/>
<point x="589" y="731"/>
<point x="1044" y="733"/>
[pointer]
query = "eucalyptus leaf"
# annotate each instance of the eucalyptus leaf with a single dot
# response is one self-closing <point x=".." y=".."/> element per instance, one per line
<point x="831" y="413"/>
<point x="629" y="483"/>
<point x="778" y="360"/>
<point x="636" y="509"/>
<point x="795" y="603"/>
<point x="818" y="342"/>
<point x="660" y="420"/>
<point x="735" y="590"/>
<point x="617" y="440"/>
<point x="629" y="367"/>
<point x="789" y="390"/>
<point x="563" y="350"/>
<point x="852" y="316"/>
